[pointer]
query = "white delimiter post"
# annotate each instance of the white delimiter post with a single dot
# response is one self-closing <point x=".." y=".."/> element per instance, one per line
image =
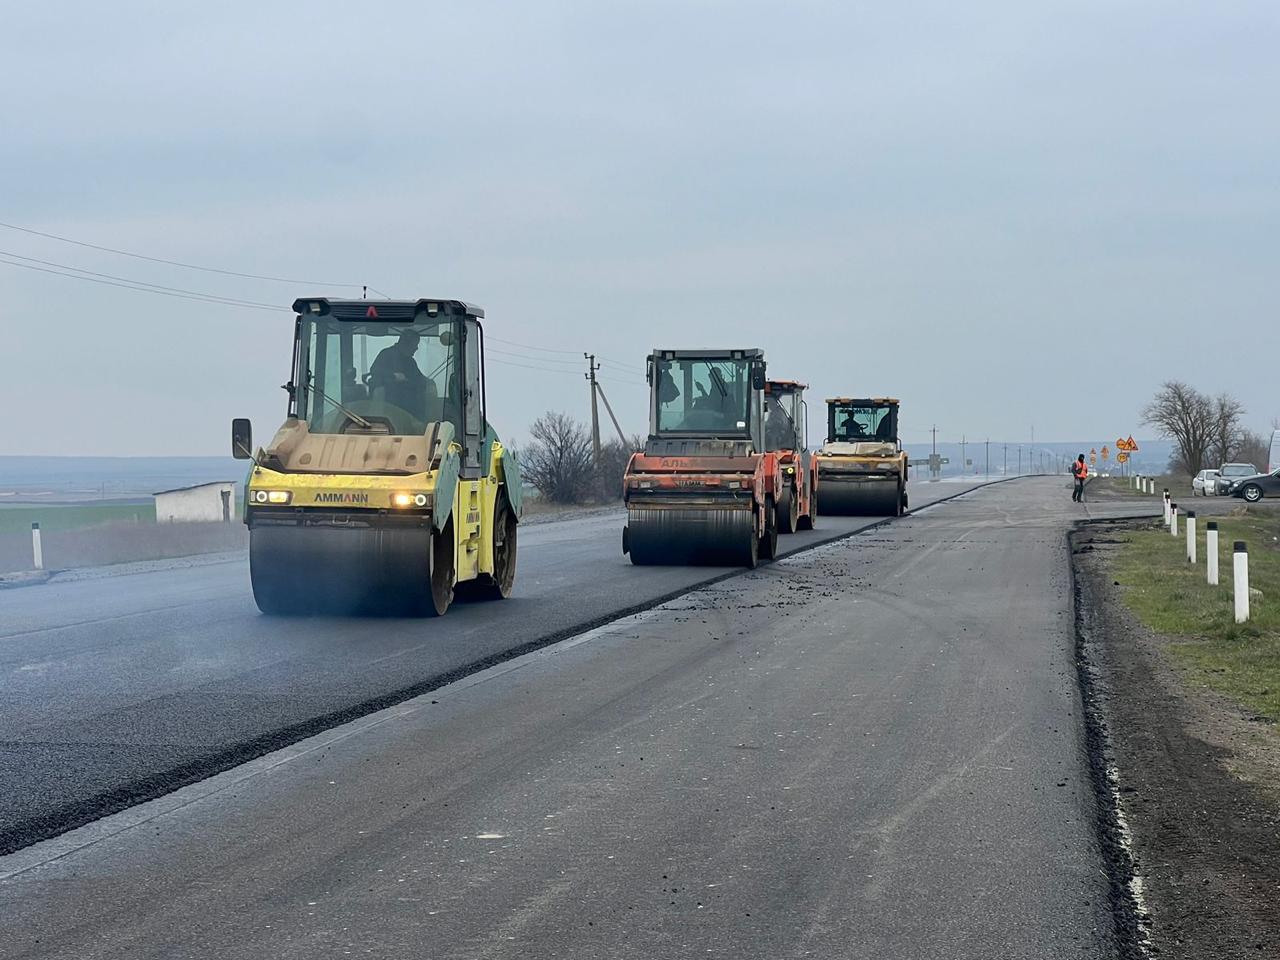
<point x="37" y="554"/>
<point x="1240" y="565"/>
<point x="1166" y="507"/>
<point x="1191" y="536"/>
<point x="1211" y="551"/>
<point x="1173" y="519"/>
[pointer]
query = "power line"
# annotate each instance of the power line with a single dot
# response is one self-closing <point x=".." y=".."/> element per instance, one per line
<point x="141" y="284"/>
<point x="625" y="367"/>
<point x="199" y="298"/>
<point x="527" y="366"/>
<point x="528" y="346"/>
<point x="521" y="356"/>
<point x="176" y="263"/>
<point x="636" y="381"/>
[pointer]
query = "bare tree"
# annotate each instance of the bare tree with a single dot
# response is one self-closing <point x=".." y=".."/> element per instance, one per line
<point x="1226" y="432"/>
<point x="612" y="465"/>
<point x="1184" y="415"/>
<point x="1253" y="448"/>
<point x="557" y="458"/>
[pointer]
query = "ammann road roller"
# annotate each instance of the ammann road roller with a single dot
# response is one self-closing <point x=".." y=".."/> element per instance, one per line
<point x="862" y="466"/>
<point x="786" y="436"/>
<point x="386" y="488"/>
<point x="699" y="492"/>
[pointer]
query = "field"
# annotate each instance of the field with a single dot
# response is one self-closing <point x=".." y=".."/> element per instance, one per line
<point x="73" y="516"/>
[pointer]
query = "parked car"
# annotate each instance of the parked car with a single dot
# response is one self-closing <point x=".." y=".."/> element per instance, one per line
<point x="1230" y="472"/>
<point x="1203" y="483"/>
<point x="1256" y="487"/>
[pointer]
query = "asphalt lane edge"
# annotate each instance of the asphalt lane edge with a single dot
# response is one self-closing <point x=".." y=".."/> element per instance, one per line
<point x="1124" y="882"/>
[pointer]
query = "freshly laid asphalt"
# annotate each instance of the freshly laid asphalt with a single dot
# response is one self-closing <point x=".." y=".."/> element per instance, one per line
<point x="870" y="749"/>
<point x="119" y="689"/>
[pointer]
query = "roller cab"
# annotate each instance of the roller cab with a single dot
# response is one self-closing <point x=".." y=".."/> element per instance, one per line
<point x="385" y="490"/>
<point x="786" y="436"/>
<point x="700" y="490"/>
<point x="862" y="467"/>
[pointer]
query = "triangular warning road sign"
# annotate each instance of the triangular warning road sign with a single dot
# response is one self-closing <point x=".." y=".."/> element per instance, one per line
<point x="371" y="313"/>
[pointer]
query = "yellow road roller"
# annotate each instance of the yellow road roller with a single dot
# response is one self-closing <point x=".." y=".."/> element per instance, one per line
<point x="862" y="466"/>
<point x="386" y="490"/>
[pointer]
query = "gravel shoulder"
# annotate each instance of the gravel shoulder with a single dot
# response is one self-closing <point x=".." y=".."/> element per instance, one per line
<point x="1197" y="777"/>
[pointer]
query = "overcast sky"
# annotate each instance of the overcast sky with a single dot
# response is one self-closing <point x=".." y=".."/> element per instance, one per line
<point x="1007" y="214"/>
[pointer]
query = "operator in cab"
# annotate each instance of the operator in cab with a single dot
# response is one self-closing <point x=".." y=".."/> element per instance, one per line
<point x="395" y="372"/>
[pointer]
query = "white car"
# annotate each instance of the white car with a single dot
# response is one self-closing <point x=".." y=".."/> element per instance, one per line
<point x="1205" y="483"/>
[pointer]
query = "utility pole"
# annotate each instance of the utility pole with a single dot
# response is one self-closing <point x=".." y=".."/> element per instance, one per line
<point x="592" y="367"/>
<point x="988" y="456"/>
<point x="1006" y="460"/>
<point x="964" y="464"/>
<point x="1019" y="459"/>
<point x="935" y="438"/>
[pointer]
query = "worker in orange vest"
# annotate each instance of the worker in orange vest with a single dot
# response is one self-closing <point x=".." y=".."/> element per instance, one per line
<point x="1079" y="470"/>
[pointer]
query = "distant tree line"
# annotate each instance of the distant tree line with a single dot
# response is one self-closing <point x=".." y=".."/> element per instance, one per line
<point x="557" y="459"/>
<point x="1206" y="431"/>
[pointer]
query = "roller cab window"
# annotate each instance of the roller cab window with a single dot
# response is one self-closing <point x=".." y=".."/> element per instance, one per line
<point x="781" y="425"/>
<point x="704" y="396"/>
<point x="379" y="377"/>
<point x="861" y="423"/>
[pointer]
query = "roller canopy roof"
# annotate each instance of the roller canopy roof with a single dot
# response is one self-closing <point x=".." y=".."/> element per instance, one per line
<point x="866" y="401"/>
<point x="383" y="309"/>
<point x="752" y="354"/>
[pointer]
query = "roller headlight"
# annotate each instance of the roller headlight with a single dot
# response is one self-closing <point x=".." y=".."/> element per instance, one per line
<point x="278" y="497"/>
<point x="406" y="500"/>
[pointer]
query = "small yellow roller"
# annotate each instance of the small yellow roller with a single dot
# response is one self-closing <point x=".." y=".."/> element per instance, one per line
<point x="862" y="468"/>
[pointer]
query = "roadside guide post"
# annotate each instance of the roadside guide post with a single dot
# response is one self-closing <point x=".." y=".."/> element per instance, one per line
<point x="37" y="553"/>
<point x="1173" y="519"/>
<point x="1211" y="551"/>
<point x="1240" y="566"/>
<point x="1191" y="536"/>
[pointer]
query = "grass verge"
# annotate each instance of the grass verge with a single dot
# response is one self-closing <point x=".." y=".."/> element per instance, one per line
<point x="1172" y="597"/>
<point x="1123" y="486"/>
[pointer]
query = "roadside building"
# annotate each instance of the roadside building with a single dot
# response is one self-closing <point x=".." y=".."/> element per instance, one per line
<point x="212" y="502"/>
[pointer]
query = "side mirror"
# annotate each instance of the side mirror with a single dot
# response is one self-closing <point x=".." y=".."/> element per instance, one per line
<point x="241" y="439"/>
<point x="758" y="379"/>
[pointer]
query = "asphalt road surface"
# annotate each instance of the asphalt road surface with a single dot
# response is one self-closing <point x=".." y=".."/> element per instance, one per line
<point x="117" y="690"/>
<point x="870" y="749"/>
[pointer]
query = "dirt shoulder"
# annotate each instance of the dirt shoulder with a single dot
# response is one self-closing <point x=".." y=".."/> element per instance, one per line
<point x="1196" y="773"/>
